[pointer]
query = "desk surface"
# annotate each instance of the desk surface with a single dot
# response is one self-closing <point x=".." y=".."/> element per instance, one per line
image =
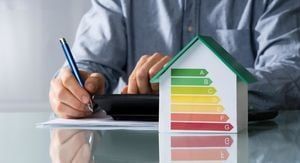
<point x="270" y="141"/>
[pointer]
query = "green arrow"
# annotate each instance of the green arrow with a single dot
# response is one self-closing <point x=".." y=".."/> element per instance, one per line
<point x="193" y="90"/>
<point x="190" y="81"/>
<point x="188" y="72"/>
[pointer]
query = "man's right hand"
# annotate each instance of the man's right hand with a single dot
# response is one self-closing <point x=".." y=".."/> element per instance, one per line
<point x="68" y="99"/>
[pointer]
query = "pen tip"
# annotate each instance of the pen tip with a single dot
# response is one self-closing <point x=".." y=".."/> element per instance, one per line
<point x="62" y="40"/>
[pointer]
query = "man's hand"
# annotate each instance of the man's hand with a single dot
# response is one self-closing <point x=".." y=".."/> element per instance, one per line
<point x="68" y="99"/>
<point x="146" y="68"/>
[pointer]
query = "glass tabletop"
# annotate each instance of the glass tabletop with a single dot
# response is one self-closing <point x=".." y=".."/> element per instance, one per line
<point x="275" y="141"/>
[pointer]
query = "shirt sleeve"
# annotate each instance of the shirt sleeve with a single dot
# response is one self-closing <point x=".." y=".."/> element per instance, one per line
<point x="277" y="65"/>
<point x="100" y="43"/>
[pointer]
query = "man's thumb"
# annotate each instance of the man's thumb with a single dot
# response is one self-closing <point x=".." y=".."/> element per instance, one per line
<point x="94" y="83"/>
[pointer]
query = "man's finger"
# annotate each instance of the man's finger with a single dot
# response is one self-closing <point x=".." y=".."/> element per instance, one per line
<point x="158" y="66"/>
<point x="155" y="88"/>
<point x="65" y="96"/>
<point x="94" y="83"/>
<point x="124" y="90"/>
<point x="155" y="68"/>
<point x="132" y="83"/>
<point x="143" y="71"/>
<point x="73" y="86"/>
<point x="65" y="111"/>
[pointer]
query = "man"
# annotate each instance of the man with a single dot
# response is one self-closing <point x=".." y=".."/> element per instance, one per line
<point x="115" y="35"/>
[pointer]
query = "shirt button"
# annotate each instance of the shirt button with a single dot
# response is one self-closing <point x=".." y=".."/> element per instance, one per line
<point x="190" y="29"/>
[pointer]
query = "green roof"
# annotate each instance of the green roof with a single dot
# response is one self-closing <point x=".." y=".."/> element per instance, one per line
<point x="242" y="73"/>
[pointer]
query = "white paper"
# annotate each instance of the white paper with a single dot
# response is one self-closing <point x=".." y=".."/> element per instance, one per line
<point x="96" y="122"/>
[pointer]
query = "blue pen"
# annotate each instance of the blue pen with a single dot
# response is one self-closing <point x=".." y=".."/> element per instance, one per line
<point x="73" y="66"/>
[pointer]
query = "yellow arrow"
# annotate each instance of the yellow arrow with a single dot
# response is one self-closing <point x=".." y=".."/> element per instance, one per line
<point x="193" y="90"/>
<point x="194" y="99"/>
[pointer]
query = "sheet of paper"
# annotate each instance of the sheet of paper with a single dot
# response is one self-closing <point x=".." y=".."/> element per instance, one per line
<point x="99" y="123"/>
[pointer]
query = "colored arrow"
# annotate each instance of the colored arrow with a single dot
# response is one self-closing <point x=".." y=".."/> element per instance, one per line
<point x="179" y="108"/>
<point x="199" y="117"/>
<point x="193" y="90"/>
<point x="188" y="72"/>
<point x="190" y="81"/>
<point x="199" y="154"/>
<point x="201" y="126"/>
<point x="201" y="141"/>
<point x="194" y="99"/>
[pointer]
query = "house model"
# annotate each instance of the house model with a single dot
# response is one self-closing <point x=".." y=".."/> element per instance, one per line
<point x="203" y="89"/>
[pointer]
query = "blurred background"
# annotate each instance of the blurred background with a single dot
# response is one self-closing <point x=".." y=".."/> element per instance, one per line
<point x="29" y="48"/>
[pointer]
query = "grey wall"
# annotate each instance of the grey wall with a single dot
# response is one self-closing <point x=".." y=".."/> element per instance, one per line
<point x="29" y="48"/>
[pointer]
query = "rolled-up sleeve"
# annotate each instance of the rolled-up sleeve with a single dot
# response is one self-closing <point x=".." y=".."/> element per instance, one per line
<point x="100" y="44"/>
<point x="277" y="65"/>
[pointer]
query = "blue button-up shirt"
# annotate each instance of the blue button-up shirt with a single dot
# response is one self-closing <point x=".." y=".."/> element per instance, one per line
<point x="263" y="35"/>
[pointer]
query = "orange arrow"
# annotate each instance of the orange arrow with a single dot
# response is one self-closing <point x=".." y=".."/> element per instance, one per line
<point x="199" y="117"/>
<point x="195" y="108"/>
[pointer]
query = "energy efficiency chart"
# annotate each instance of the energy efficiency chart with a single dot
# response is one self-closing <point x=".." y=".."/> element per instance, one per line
<point x="195" y="104"/>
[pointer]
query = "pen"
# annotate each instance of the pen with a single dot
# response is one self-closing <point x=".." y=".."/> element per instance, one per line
<point x="74" y="68"/>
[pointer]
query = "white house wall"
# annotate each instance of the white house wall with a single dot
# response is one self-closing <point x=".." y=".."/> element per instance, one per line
<point x="242" y="105"/>
<point x="164" y="101"/>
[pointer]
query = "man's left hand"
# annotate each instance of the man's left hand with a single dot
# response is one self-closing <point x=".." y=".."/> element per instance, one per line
<point x="146" y="68"/>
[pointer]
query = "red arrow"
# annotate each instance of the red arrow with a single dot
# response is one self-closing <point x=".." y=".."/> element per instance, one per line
<point x="201" y="126"/>
<point x="199" y="154"/>
<point x="201" y="141"/>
